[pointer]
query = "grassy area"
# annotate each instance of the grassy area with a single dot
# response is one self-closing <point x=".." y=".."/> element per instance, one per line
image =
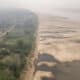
<point x="17" y="43"/>
<point x="14" y="49"/>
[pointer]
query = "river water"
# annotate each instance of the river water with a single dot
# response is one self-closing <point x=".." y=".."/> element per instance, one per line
<point x="57" y="38"/>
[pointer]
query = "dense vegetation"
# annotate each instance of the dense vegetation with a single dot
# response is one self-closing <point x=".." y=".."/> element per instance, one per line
<point x="16" y="45"/>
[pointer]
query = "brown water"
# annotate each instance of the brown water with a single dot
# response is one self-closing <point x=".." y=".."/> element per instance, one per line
<point x="60" y="38"/>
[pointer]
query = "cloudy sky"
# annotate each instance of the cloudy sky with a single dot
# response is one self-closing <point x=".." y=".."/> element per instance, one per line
<point x="40" y="5"/>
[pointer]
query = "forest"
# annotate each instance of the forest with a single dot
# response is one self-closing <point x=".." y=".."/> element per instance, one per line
<point x="17" y="43"/>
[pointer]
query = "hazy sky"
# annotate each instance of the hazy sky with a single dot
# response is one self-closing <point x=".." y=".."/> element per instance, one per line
<point x="40" y="5"/>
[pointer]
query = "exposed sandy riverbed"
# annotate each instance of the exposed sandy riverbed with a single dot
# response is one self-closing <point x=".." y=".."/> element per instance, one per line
<point x="60" y="38"/>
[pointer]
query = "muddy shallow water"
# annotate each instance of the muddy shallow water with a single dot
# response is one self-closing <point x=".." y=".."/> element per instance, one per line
<point x="59" y="38"/>
<point x="68" y="71"/>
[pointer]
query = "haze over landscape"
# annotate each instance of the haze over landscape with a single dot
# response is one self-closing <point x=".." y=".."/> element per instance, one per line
<point x="55" y="7"/>
<point x="40" y="39"/>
